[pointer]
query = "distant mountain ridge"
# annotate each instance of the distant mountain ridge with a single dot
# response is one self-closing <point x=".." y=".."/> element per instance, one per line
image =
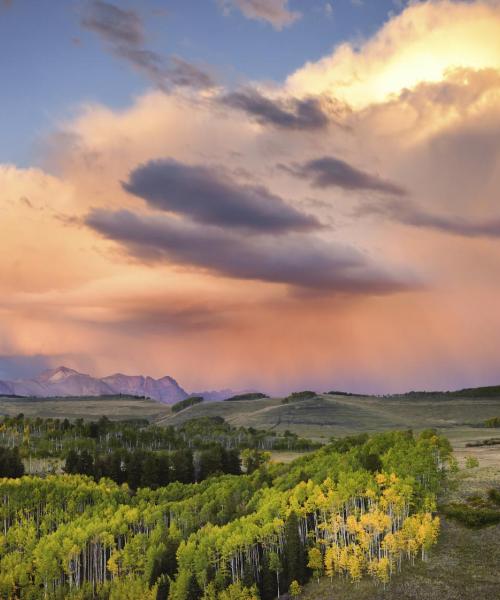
<point x="63" y="381"/>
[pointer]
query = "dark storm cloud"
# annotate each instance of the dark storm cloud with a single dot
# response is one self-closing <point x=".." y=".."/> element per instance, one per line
<point x="166" y="315"/>
<point x="328" y="171"/>
<point x="275" y="12"/>
<point x="301" y="114"/>
<point x="113" y="24"/>
<point x="301" y="261"/>
<point x="184" y="74"/>
<point x="209" y="196"/>
<point x="23" y="367"/>
<point x="123" y="33"/>
<point x="409" y="214"/>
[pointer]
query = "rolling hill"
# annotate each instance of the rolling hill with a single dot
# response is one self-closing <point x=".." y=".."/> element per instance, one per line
<point x="327" y="415"/>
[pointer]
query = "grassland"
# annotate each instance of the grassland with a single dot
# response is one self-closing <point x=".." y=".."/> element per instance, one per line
<point x="328" y="415"/>
<point x="88" y="408"/>
<point x="460" y="418"/>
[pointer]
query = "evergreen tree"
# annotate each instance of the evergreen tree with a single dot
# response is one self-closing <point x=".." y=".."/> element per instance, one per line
<point x="295" y="560"/>
<point x="268" y="580"/>
<point x="183" y="466"/>
<point x="163" y="588"/>
<point x="11" y="464"/>
<point x="134" y="468"/>
<point x="72" y="462"/>
<point x="194" y="592"/>
<point x="231" y="463"/>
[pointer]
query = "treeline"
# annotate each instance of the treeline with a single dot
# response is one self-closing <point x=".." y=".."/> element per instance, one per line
<point x="492" y="391"/>
<point x="299" y="396"/>
<point x="146" y="468"/>
<point x="54" y="438"/>
<point x="186" y="403"/>
<point x="247" y="396"/>
<point x="358" y="506"/>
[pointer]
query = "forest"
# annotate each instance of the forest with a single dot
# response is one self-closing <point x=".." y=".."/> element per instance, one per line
<point x="43" y="438"/>
<point x="354" y="507"/>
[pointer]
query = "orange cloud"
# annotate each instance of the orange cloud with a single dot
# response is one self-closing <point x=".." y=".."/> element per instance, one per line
<point x="399" y="176"/>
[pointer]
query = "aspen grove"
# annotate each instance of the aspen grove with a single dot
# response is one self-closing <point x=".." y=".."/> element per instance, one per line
<point x="356" y="507"/>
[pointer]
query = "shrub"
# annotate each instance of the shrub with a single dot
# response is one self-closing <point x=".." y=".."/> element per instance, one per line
<point x="471" y="462"/>
<point x="299" y="396"/>
<point x="178" y="406"/>
<point x="248" y="396"/>
<point x="471" y="517"/>
<point x="494" y="496"/>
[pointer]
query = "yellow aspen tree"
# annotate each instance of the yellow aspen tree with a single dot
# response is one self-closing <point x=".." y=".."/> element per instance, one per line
<point x="330" y="563"/>
<point x="315" y="562"/>
<point x="295" y="589"/>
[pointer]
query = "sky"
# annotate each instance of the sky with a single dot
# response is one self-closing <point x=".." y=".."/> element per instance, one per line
<point x="265" y="194"/>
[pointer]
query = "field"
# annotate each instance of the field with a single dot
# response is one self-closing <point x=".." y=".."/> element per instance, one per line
<point x="459" y="418"/>
<point x="88" y="408"/>
<point x="327" y="415"/>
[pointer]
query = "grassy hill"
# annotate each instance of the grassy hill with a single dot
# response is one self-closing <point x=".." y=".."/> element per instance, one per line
<point x="460" y="416"/>
<point x="88" y="408"/>
<point x="329" y="415"/>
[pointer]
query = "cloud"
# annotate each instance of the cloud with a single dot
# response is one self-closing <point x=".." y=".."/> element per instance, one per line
<point x="19" y="366"/>
<point x="154" y="290"/>
<point x="207" y="195"/>
<point x="299" y="114"/>
<point x="409" y="213"/>
<point x="420" y="44"/>
<point x="113" y="24"/>
<point x="275" y="12"/>
<point x="304" y="262"/>
<point x="123" y="33"/>
<point x="332" y="172"/>
<point x="22" y="367"/>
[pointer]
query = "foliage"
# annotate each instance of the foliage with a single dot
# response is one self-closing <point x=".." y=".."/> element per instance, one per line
<point x="186" y="403"/>
<point x="11" y="464"/>
<point x="228" y="537"/>
<point x="254" y="459"/>
<point x="494" y="496"/>
<point x="55" y="438"/>
<point x="299" y="396"/>
<point x="477" y="511"/>
<point x="247" y="396"/>
<point x="295" y="589"/>
<point x="470" y="516"/>
<point x="471" y="462"/>
<point x="493" y="422"/>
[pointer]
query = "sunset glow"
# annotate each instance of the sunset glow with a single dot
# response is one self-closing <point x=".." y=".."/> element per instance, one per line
<point x="335" y="225"/>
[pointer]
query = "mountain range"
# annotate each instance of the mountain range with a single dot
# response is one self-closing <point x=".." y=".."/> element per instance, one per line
<point x="68" y="382"/>
<point x="64" y="382"/>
